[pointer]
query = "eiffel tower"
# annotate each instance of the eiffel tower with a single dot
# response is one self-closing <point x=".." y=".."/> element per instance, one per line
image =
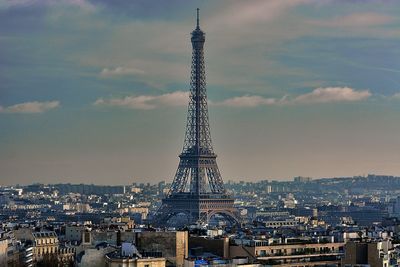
<point x="197" y="190"/>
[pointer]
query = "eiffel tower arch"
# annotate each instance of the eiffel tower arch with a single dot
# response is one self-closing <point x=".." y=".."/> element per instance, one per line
<point x="197" y="190"/>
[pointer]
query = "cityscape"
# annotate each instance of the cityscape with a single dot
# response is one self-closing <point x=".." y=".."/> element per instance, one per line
<point x="198" y="217"/>
<point x="303" y="222"/>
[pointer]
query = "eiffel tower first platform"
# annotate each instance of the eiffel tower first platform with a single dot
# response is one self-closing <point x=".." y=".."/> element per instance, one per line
<point x="197" y="190"/>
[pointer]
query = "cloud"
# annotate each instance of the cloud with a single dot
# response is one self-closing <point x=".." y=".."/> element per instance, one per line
<point x="26" y="3"/>
<point x="396" y="96"/>
<point x="357" y="20"/>
<point x="246" y="101"/>
<point x="249" y="12"/>
<point x="146" y="102"/>
<point x="332" y="94"/>
<point x="318" y="95"/>
<point x="120" y="71"/>
<point x="30" y="107"/>
<point x="82" y="5"/>
<point x="180" y="98"/>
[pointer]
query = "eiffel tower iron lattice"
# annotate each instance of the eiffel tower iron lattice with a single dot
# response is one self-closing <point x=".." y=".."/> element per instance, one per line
<point x="197" y="189"/>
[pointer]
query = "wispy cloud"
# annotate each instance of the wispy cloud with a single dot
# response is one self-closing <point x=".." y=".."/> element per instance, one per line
<point x="396" y="96"/>
<point x="120" y="71"/>
<point x="256" y="11"/>
<point x="180" y="98"/>
<point x="318" y="95"/>
<point x="146" y="102"/>
<point x="357" y="20"/>
<point x="83" y="4"/>
<point x="332" y="94"/>
<point x="30" y="107"/>
<point x="247" y="101"/>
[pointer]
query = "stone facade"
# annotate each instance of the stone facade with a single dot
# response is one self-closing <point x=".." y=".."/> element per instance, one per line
<point x="173" y="245"/>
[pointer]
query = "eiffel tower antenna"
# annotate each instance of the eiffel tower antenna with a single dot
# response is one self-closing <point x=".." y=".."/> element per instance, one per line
<point x="198" y="18"/>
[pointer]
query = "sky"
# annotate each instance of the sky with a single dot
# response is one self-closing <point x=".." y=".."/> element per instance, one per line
<point x="97" y="91"/>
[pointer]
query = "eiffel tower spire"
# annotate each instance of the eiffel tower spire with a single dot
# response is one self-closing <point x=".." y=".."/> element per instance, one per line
<point x="197" y="189"/>
<point x="198" y="18"/>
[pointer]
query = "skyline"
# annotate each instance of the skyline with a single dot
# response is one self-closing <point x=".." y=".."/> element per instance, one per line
<point x="96" y="92"/>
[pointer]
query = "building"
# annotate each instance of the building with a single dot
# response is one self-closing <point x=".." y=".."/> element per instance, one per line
<point x="143" y="211"/>
<point x="173" y="246"/>
<point x="44" y="243"/>
<point x="394" y="208"/>
<point x="216" y="246"/>
<point x="46" y="248"/>
<point x="375" y="253"/>
<point x="27" y="256"/>
<point x="129" y="256"/>
<point x="301" y="179"/>
<point x="301" y="253"/>
<point x="217" y="262"/>
<point x="78" y="207"/>
<point x="89" y="189"/>
<point x="93" y="256"/>
<point x="3" y="251"/>
<point x="281" y="223"/>
<point x="74" y="232"/>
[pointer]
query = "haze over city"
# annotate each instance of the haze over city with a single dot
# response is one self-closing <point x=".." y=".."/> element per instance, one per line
<point x="97" y="91"/>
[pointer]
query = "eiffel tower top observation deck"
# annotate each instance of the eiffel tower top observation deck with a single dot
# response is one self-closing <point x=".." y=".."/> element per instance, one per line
<point x="197" y="189"/>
